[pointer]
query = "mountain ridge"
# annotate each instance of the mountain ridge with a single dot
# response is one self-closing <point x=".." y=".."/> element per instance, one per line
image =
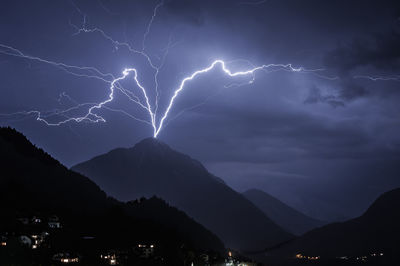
<point x="151" y="167"/>
<point x="34" y="182"/>
<point x="287" y="217"/>
<point x="375" y="231"/>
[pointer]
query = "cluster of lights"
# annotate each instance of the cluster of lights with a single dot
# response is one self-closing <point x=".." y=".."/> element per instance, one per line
<point x="145" y="246"/>
<point x="301" y="256"/>
<point x="38" y="239"/>
<point x="69" y="260"/>
<point x="112" y="259"/>
<point x="365" y="258"/>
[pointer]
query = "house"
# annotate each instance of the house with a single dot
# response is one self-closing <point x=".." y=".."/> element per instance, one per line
<point x="54" y="222"/>
<point x="110" y="258"/>
<point x="145" y="251"/>
<point x="65" y="257"/>
<point x="3" y="241"/>
<point x="39" y="239"/>
<point x="23" y="220"/>
<point x="36" y="220"/>
<point x="235" y="259"/>
<point x="25" y="240"/>
<point x="205" y="257"/>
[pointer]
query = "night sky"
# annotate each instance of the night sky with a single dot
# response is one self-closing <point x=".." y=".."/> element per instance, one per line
<point x="326" y="142"/>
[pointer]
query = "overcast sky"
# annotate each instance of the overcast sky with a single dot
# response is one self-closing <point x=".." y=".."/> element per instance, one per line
<point x="326" y="142"/>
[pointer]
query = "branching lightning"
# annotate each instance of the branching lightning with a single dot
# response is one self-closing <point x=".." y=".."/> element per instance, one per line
<point x="155" y="119"/>
<point x="379" y="78"/>
<point x="207" y="69"/>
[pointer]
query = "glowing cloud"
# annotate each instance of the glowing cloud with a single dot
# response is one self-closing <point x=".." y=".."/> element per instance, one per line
<point x="143" y="101"/>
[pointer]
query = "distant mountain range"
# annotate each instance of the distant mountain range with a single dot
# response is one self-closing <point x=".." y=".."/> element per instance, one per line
<point x="290" y="219"/>
<point x="374" y="234"/>
<point x="153" y="168"/>
<point x="33" y="183"/>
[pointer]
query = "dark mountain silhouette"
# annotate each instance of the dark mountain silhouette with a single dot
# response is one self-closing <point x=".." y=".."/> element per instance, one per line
<point x="32" y="183"/>
<point x="376" y="231"/>
<point x="153" y="168"/>
<point x="288" y="218"/>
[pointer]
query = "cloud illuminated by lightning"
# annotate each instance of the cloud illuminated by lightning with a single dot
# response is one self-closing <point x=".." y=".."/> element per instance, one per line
<point x="91" y="116"/>
<point x="114" y="82"/>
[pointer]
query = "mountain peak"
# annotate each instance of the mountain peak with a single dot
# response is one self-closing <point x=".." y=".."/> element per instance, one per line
<point x="150" y="141"/>
<point x="152" y="145"/>
<point x="151" y="167"/>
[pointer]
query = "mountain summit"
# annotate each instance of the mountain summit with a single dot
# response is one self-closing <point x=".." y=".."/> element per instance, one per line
<point x="33" y="183"/>
<point x="151" y="150"/>
<point x="152" y="146"/>
<point x="151" y="167"/>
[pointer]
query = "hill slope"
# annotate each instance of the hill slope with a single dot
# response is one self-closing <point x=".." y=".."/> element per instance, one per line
<point x="32" y="183"/>
<point x="376" y="231"/>
<point x="288" y="218"/>
<point x="153" y="168"/>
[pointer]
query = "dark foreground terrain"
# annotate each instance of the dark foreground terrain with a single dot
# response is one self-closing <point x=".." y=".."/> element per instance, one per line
<point x="50" y="214"/>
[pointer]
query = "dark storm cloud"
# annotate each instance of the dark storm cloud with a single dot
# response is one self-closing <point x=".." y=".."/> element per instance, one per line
<point x="368" y="56"/>
<point x="350" y="90"/>
<point x="189" y="11"/>
<point x="315" y="96"/>
<point x="381" y="51"/>
<point x="346" y="89"/>
<point x="290" y="132"/>
<point x="284" y="136"/>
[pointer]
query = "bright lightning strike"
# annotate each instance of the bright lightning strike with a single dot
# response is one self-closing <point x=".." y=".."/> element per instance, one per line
<point x="91" y="116"/>
<point x="114" y="82"/>
<point x="207" y="69"/>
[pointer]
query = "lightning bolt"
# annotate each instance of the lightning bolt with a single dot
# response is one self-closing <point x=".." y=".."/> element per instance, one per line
<point x="88" y="72"/>
<point x="226" y="71"/>
<point x="148" y="28"/>
<point x="379" y="78"/>
<point x="114" y="82"/>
